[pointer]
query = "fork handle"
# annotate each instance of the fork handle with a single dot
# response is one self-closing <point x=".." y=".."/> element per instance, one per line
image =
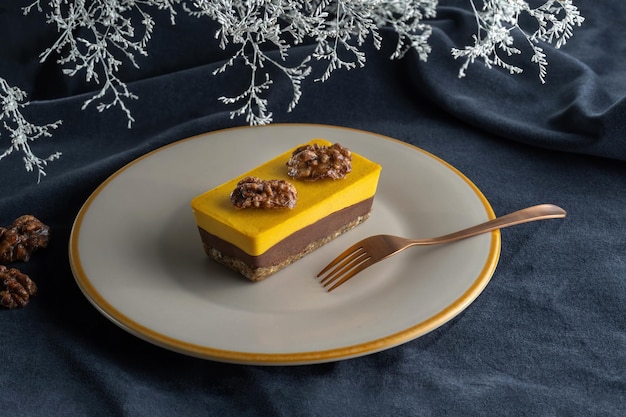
<point x="529" y="214"/>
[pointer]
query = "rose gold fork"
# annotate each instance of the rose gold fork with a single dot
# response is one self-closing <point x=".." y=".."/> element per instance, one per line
<point x="374" y="249"/>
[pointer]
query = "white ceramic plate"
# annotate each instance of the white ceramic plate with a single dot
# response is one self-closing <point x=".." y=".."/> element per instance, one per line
<point x="136" y="254"/>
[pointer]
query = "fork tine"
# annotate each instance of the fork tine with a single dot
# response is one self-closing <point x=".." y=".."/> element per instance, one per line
<point x="360" y="267"/>
<point x="342" y="255"/>
<point x="348" y="263"/>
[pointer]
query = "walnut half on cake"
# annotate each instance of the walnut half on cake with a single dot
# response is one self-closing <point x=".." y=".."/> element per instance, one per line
<point x="257" y="241"/>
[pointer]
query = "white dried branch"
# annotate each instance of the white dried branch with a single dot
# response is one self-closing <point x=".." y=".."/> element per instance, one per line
<point x="337" y="29"/>
<point x="21" y="132"/>
<point x="95" y="36"/>
<point x="497" y="22"/>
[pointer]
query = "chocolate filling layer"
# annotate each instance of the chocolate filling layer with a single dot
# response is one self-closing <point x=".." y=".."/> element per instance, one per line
<point x="293" y="244"/>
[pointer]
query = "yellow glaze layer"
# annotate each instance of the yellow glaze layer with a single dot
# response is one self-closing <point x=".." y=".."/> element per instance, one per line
<point x="256" y="230"/>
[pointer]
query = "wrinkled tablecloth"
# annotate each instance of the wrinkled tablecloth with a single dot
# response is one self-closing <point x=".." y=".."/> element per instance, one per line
<point x="547" y="337"/>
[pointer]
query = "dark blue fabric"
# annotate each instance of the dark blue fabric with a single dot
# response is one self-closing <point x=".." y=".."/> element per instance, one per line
<point x="547" y="337"/>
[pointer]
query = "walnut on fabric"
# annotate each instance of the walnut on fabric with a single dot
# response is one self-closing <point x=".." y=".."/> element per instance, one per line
<point x="16" y="288"/>
<point x="22" y="238"/>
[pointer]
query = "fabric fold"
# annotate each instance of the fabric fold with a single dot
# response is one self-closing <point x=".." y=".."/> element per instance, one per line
<point x="574" y="111"/>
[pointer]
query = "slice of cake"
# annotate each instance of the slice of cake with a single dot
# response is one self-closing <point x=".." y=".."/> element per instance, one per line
<point x="314" y="200"/>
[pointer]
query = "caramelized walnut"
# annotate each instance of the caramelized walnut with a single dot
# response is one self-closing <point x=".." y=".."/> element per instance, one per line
<point x="16" y="288"/>
<point x="315" y="162"/>
<point x="257" y="193"/>
<point x="22" y="238"/>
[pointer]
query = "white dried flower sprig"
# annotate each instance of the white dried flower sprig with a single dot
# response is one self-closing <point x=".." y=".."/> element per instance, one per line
<point x="20" y="131"/>
<point x="406" y="18"/>
<point x="96" y="35"/>
<point x="93" y="38"/>
<point x="497" y="22"/>
<point x="337" y="28"/>
<point x="96" y="38"/>
<point x="253" y="26"/>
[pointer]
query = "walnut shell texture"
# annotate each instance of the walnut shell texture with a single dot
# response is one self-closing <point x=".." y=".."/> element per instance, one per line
<point x="16" y="288"/>
<point x="253" y="192"/>
<point x="315" y="162"/>
<point x="22" y="238"/>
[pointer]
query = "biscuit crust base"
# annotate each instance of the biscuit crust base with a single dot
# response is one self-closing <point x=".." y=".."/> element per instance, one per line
<point x="290" y="249"/>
